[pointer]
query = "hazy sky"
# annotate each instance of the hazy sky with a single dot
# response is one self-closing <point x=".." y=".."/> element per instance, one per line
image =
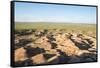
<point x="35" y="12"/>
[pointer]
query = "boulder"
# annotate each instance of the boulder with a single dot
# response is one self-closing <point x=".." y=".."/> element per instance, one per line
<point x="81" y="43"/>
<point x="43" y="43"/>
<point x="38" y="59"/>
<point x="20" y="54"/>
<point x="69" y="50"/>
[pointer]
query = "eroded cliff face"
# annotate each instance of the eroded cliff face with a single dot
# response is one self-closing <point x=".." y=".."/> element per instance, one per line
<point x="44" y="47"/>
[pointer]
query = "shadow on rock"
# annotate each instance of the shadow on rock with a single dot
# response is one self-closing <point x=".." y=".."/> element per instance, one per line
<point x="33" y="51"/>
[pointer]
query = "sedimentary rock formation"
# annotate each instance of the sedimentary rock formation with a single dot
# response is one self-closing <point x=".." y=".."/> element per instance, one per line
<point x="33" y="47"/>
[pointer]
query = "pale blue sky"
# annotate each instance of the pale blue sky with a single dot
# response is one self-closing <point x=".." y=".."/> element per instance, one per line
<point x="36" y="12"/>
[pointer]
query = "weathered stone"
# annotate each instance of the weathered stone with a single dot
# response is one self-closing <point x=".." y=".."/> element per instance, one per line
<point x="38" y="59"/>
<point x="53" y="47"/>
<point x="20" y="54"/>
<point x="43" y="43"/>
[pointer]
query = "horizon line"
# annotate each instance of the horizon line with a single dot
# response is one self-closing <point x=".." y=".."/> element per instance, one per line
<point x="54" y="22"/>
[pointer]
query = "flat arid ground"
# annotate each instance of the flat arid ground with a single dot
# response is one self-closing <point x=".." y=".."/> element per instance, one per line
<point x="54" y="43"/>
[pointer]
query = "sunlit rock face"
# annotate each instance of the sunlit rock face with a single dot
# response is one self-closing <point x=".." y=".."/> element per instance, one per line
<point x="20" y="54"/>
<point x="38" y="59"/>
